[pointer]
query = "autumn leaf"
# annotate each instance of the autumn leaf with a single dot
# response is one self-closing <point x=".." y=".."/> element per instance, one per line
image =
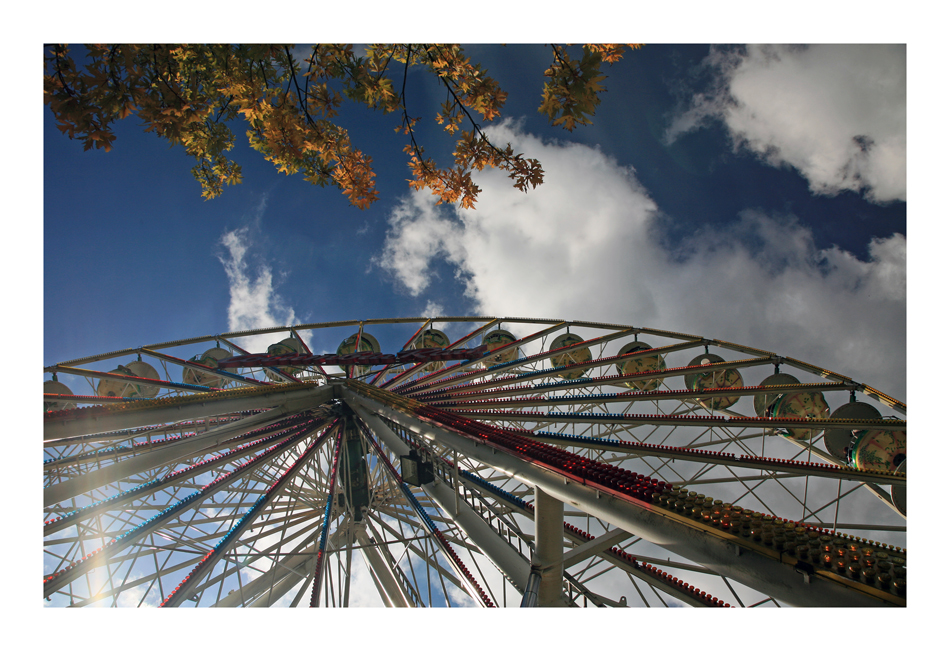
<point x="570" y="95"/>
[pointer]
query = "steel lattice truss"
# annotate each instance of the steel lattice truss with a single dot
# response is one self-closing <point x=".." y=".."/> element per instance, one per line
<point x="577" y="464"/>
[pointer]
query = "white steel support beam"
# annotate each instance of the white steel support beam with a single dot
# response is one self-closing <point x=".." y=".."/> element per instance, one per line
<point x="382" y="431"/>
<point x="530" y="597"/>
<point x="387" y="583"/>
<point x="390" y="587"/>
<point x="379" y="587"/>
<point x="281" y="587"/>
<point x="187" y="408"/>
<point x="718" y="551"/>
<point x="505" y="558"/>
<point x="593" y="547"/>
<point x="502" y="554"/>
<point x="549" y="546"/>
<point x="158" y="457"/>
<point x="282" y="577"/>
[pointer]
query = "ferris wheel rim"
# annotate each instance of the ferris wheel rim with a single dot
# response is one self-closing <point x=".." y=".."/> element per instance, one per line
<point x="873" y="393"/>
<point x="291" y="328"/>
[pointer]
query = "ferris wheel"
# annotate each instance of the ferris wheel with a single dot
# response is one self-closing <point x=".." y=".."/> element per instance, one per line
<point x="469" y="461"/>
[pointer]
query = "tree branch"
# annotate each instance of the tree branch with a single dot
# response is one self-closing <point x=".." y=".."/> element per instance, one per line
<point x="557" y="56"/>
<point x="57" y="50"/>
<point x="158" y="74"/>
<point x="385" y="67"/>
<point x="405" y="111"/>
<point x="475" y="125"/>
<point x="300" y="99"/>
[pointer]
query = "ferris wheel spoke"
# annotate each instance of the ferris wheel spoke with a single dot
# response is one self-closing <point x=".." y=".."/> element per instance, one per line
<point x="129" y="586"/>
<point x="175" y="452"/>
<point x="515" y="397"/>
<point x="612" y="555"/>
<point x="162" y="433"/>
<point x="871" y="482"/>
<point x="405" y="382"/>
<point x="109" y="418"/>
<point x="443" y="388"/>
<point x="132" y="379"/>
<point x="392" y="584"/>
<point x="347" y="569"/>
<point x="732" y="440"/>
<point x="691" y="453"/>
<point x="482" y="535"/>
<point x="459" y="512"/>
<point x="320" y="576"/>
<point x="466" y="580"/>
<point x="286" y="571"/>
<point x="439" y="381"/>
<point x="188" y="547"/>
<point x="162" y="525"/>
<point x="202" y="368"/>
<point x="385" y="531"/>
<point x="205" y="566"/>
<point x="146" y="489"/>
<point x="412" y="340"/>
<point x="638" y="567"/>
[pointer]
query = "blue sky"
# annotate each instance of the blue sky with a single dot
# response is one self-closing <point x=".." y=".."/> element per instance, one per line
<point x="720" y="191"/>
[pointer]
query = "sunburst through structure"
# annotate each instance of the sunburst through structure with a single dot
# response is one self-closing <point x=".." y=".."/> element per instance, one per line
<point x="469" y="461"/>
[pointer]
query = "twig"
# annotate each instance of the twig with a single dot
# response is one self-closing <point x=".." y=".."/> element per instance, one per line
<point x="405" y="111"/>
<point x="302" y="100"/>
<point x="59" y="72"/>
<point x="385" y="67"/>
<point x="475" y="126"/>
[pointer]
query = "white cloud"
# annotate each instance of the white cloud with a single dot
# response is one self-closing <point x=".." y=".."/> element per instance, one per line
<point x="585" y="246"/>
<point x="433" y="309"/>
<point x="836" y="113"/>
<point x="254" y="302"/>
<point x="131" y="597"/>
<point x="424" y="234"/>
